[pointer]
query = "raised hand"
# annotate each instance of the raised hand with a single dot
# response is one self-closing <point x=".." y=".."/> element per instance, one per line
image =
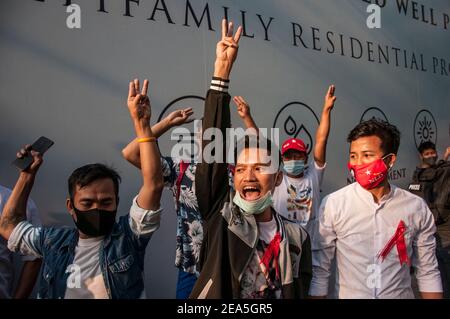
<point x="447" y="154"/>
<point x="330" y="98"/>
<point x="323" y="131"/>
<point x="227" y="49"/>
<point x="132" y="152"/>
<point x="180" y="117"/>
<point x="37" y="159"/>
<point x="228" y="45"/>
<point x="138" y="102"/>
<point x="243" y="108"/>
<point x="15" y="208"/>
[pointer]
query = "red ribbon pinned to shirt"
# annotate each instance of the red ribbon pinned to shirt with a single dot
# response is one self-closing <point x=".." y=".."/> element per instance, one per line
<point x="399" y="240"/>
<point x="272" y="251"/>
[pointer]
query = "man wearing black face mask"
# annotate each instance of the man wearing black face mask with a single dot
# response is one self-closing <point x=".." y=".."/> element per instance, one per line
<point x="102" y="258"/>
<point x="431" y="181"/>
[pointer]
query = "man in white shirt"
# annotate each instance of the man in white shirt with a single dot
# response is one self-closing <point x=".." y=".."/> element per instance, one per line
<point x="374" y="230"/>
<point x="297" y="198"/>
<point x="31" y="264"/>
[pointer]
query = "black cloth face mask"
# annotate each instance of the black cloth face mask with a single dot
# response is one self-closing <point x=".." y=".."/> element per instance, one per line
<point x="95" y="222"/>
<point x="430" y="160"/>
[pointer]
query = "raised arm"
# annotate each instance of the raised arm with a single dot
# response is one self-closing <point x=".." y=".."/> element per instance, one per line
<point x="140" y="111"/>
<point x="243" y="110"/>
<point x="176" y="118"/>
<point x="446" y="154"/>
<point x="211" y="181"/>
<point x="15" y="208"/>
<point x="324" y="128"/>
<point x="31" y="265"/>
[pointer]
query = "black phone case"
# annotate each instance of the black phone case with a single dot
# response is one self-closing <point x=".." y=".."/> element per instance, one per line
<point x="41" y="146"/>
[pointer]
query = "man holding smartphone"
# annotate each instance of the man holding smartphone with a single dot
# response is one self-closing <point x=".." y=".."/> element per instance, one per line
<point x="102" y="258"/>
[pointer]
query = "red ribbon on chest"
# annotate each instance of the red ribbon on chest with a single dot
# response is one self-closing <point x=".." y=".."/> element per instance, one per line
<point x="272" y="251"/>
<point x="399" y="240"/>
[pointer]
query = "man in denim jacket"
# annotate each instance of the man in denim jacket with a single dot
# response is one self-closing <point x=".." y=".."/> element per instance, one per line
<point x="102" y="258"/>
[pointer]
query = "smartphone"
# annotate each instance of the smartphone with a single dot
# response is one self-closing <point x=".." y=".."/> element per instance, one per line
<point x="41" y="146"/>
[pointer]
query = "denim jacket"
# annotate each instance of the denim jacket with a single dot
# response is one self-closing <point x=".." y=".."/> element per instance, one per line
<point x="121" y="253"/>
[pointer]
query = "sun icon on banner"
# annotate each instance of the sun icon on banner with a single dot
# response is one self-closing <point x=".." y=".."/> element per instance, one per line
<point x="426" y="131"/>
<point x="425" y="128"/>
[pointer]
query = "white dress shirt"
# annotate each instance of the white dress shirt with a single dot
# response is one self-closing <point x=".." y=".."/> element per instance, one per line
<point x="353" y="228"/>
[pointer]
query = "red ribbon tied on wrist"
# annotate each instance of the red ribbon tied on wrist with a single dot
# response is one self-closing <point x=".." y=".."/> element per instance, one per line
<point x="272" y="251"/>
<point x="399" y="240"/>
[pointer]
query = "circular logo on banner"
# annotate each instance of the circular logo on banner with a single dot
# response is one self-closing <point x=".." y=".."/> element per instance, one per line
<point x="297" y="120"/>
<point x="425" y="128"/>
<point x="373" y="113"/>
<point x="183" y="132"/>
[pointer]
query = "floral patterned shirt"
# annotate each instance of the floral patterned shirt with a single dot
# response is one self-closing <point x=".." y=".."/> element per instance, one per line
<point x="189" y="220"/>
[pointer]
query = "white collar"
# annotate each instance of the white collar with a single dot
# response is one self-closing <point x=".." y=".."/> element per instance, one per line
<point x="368" y="197"/>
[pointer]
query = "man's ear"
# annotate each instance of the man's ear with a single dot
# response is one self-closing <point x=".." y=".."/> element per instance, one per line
<point x="392" y="161"/>
<point x="279" y="178"/>
<point x="70" y="208"/>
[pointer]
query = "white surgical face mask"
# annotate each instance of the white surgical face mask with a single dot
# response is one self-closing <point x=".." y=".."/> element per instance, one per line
<point x="294" y="167"/>
<point x="253" y="207"/>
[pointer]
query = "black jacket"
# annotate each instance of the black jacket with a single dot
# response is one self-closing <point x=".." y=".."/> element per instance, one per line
<point x="230" y="238"/>
<point x="433" y="185"/>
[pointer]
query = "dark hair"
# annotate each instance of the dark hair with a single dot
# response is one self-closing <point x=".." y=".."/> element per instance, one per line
<point x="426" y="146"/>
<point x="250" y="140"/>
<point x="87" y="174"/>
<point x="388" y="133"/>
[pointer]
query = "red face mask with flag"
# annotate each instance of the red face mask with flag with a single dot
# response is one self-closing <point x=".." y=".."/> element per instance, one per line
<point x="370" y="175"/>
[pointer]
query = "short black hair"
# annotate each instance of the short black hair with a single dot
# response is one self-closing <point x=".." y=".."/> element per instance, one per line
<point x="87" y="174"/>
<point x="388" y="133"/>
<point x="426" y="146"/>
<point x="257" y="141"/>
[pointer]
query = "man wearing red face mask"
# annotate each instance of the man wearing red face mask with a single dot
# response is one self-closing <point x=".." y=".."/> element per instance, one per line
<point x="375" y="230"/>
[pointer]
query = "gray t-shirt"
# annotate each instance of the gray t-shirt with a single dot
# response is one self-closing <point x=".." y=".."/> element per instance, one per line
<point x="86" y="280"/>
<point x="6" y="256"/>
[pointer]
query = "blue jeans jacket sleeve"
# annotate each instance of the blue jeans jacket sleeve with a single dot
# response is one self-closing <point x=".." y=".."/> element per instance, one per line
<point x="27" y="239"/>
<point x="143" y="223"/>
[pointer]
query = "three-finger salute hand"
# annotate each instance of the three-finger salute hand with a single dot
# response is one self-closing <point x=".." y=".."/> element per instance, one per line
<point x="227" y="49"/>
<point x="242" y="106"/>
<point x="330" y="98"/>
<point x="180" y="117"/>
<point x="138" y="102"/>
